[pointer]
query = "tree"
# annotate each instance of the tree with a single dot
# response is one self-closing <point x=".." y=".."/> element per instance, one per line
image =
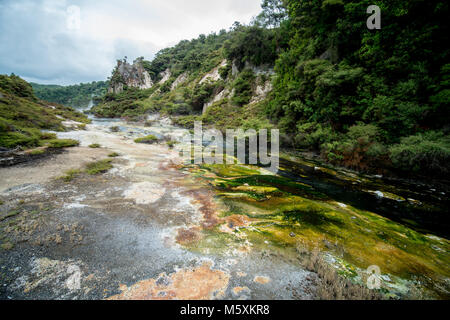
<point x="274" y="12"/>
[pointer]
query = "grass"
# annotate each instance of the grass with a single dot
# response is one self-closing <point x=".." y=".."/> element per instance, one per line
<point x="23" y="116"/>
<point x="98" y="167"/>
<point x="70" y="175"/>
<point x="81" y="126"/>
<point x="63" y="143"/>
<point x="148" y="139"/>
<point x="92" y="168"/>
<point x="95" y="146"/>
<point x="113" y="155"/>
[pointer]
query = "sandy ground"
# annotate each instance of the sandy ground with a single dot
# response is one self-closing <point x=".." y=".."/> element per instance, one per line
<point x="119" y="235"/>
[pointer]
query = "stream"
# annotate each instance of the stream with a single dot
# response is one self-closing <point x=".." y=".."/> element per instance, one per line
<point x="156" y="227"/>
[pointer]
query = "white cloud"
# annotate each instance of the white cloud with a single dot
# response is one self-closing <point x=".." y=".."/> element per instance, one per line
<point x="37" y="44"/>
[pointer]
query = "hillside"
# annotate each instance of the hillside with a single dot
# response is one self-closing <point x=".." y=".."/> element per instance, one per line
<point x="371" y="100"/>
<point x="76" y="96"/>
<point x="23" y="116"/>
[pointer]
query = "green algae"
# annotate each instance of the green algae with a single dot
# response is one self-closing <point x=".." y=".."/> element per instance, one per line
<point x="285" y="214"/>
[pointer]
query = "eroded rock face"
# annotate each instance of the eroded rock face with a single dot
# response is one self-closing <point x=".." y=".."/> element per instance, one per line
<point x="131" y="75"/>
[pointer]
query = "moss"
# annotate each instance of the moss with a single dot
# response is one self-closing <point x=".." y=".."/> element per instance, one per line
<point x="148" y="139"/>
<point x="99" y="167"/>
<point x="285" y="213"/>
<point x="113" y="155"/>
<point x="63" y="143"/>
<point x="95" y="146"/>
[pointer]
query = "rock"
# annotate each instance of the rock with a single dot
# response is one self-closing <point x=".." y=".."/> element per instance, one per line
<point x="131" y="75"/>
<point x="165" y="76"/>
<point x="181" y="78"/>
<point x="292" y="235"/>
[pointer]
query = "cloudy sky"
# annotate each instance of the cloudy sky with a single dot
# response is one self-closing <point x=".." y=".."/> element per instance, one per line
<point x="44" y="41"/>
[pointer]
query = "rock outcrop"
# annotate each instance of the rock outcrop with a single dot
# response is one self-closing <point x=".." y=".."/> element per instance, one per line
<point x="130" y="75"/>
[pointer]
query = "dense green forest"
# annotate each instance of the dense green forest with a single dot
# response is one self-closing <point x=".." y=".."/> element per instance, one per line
<point x="365" y="99"/>
<point x="76" y="96"/>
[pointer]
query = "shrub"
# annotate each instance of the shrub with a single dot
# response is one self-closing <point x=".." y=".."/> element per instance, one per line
<point x="148" y="139"/>
<point x="63" y="143"/>
<point x="98" y="167"/>
<point x="47" y="136"/>
<point x="243" y="88"/>
<point x="113" y="155"/>
<point x="70" y="175"/>
<point x="422" y="153"/>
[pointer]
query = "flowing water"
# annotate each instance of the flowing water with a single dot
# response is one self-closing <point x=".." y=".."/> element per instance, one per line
<point x="156" y="227"/>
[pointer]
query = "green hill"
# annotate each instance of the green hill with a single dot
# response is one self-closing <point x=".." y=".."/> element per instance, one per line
<point x="76" y="96"/>
<point x="371" y="100"/>
<point x="23" y="116"/>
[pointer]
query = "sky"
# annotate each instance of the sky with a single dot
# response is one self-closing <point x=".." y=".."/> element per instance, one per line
<point x="72" y="41"/>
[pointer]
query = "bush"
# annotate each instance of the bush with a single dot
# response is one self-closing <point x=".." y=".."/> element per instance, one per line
<point x="98" y="167"/>
<point x="243" y="86"/>
<point x="63" y="143"/>
<point x="70" y="175"/>
<point x="148" y="139"/>
<point x="113" y="155"/>
<point x="424" y="153"/>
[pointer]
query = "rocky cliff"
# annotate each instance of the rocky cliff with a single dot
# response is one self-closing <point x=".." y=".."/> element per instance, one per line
<point x="130" y="75"/>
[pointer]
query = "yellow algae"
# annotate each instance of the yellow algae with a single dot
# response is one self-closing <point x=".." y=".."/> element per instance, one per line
<point x="261" y="280"/>
<point x="200" y="283"/>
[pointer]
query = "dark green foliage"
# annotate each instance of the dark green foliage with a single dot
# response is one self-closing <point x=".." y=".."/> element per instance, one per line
<point x="63" y="143"/>
<point x="198" y="55"/>
<point x="16" y="86"/>
<point x="243" y="86"/>
<point x="336" y="74"/>
<point x="253" y="45"/>
<point x="99" y="167"/>
<point x="430" y="151"/>
<point x="76" y="96"/>
<point x="125" y="104"/>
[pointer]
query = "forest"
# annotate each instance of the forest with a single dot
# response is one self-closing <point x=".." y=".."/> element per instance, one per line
<point x="370" y="100"/>
<point x="76" y="96"/>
